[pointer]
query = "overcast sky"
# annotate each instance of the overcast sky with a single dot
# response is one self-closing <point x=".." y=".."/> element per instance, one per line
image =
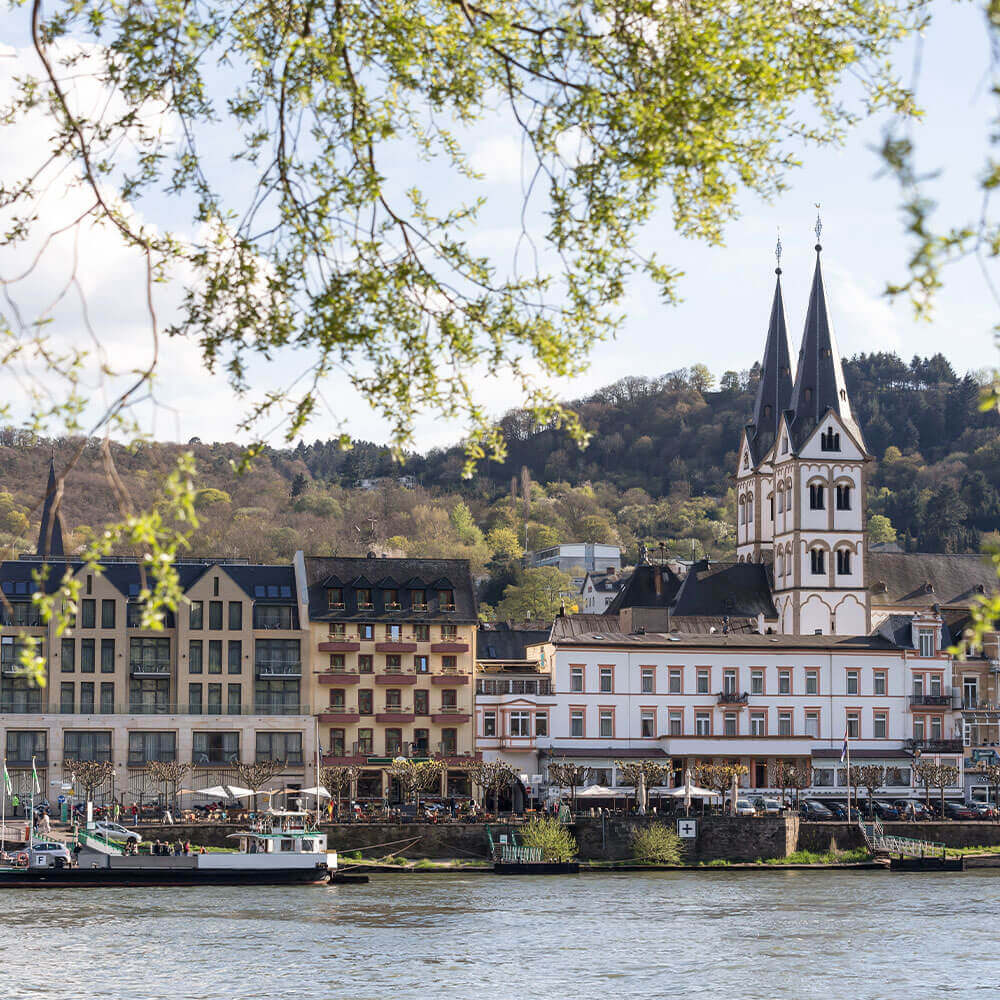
<point x="726" y="291"/>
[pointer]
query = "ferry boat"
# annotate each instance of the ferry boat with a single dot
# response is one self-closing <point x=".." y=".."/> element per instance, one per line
<point x="283" y="850"/>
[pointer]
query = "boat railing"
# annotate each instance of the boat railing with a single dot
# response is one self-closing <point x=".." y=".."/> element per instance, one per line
<point x="520" y="855"/>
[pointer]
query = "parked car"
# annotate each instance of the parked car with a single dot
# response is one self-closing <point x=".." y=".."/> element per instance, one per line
<point x="767" y="807"/>
<point x="744" y="807"/>
<point x="885" y="810"/>
<point x="56" y="853"/>
<point x="985" y="809"/>
<point x="811" y="809"/>
<point x="959" y="810"/>
<point x="913" y="809"/>
<point x="839" y="809"/>
<point x="113" y="831"/>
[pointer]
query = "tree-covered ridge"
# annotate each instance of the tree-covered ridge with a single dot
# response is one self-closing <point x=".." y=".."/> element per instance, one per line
<point x="657" y="470"/>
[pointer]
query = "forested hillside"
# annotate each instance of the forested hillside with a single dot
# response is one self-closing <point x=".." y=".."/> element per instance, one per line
<point x="656" y="470"/>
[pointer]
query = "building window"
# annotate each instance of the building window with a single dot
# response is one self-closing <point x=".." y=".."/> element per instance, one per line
<point x="215" y="615"/>
<point x="335" y="598"/>
<point x="829" y="440"/>
<point x="194" y="657"/>
<point x="107" y="614"/>
<point x="784" y="682"/>
<point x="394" y="633"/>
<point x="843" y="498"/>
<point x="24" y="744"/>
<point x="338" y="742"/>
<point x="449" y="741"/>
<point x="235" y="616"/>
<point x="421" y="702"/>
<point x="758" y="724"/>
<point x="541" y="723"/>
<point x="86" y="745"/>
<point x="520" y="723"/>
<point x="393" y="698"/>
<point x="576" y="722"/>
<point x="918" y="727"/>
<point x="703" y="680"/>
<point x="843" y="562"/>
<point x="784" y="723"/>
<point x="393" y="662"/>
<point x="145" y="748"/>
<point x="366" y="741"/>
<point x="88" y="613"/>
<point x="576" y="679"/>
<point x="149" y="695"/>
<point x="67" y="656"/>
<point x="390" y="599"/>
<point x="107" y="656"/>
<point x="421" y="664"/>
<point x="67" y="693"/>
<point x="449" y="698"/>
<point x="449" y="663"/>
<point x="422" y="633"/>
<point x="812" y="724"/>
<point x="194" y="699"/>
<point x="446" y="600"/>
<point x="366" y="632"/>
<point x="756" y="681"/>
<point x="234" y="655"/>
<point x="853" y="725"/>
<point x="817" y="561"/>
<point x="646" y="679"/>
<point x="364" y="596"/>
<point x="393" y="742"/>
<point x="606" y="717"/>
<point x="365" y="702"/>
<point x="87" y="698"/>
<point x="234" y="699"/>
<point x="337" y="699"/>
<point x="107" y="698"/>
<point x="647" y="722"/>
<point x="817" y="496"/>
<point x="277" y="697"/>
<point x="86" y="656"/>
<point x="729" y="681"/>
<point x="852" y="681"/>
<point x="196" y="617"/>
<point x="275" y="616"/>
<point x="489" y="723"/>
<point x="703" y="723"/>
<point x="607" y="680"/>
<point x="812" y="682"/>
<point x="878" y="682"/>
<point x="676" y="722"/>
<point x="418" y="600"/>
<point x="675" y="680"/>
<point x="366" y="663"/>
<point x="970" y="692"/>
<point x="880" y="725"/>
<point x="215" y="748"/>
<point x="936" y="727"/>
<point x="926" y="643"/>
<point x="729" y="722"/>
<point x="215" y="656"/>
<point x="284" y="747"/>
<point x="337" y="631"/>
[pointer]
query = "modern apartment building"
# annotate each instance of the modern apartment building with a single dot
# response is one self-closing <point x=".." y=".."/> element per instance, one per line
<point x="391" y="642"/>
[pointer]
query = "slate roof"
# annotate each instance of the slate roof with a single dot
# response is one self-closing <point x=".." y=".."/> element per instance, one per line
<point x="726" y="588"/>
<point x="640" y="589"/>
<point x="505" y="641"/>
<point x="775" y="387"/>
<point x="570" y="625"/>
<point x="745" y="640"/>
<point x="956" y="579"/>
<point x="50" y="533"/>
<point x="426" y="574"/>
<point x="819" y="375"/>
<point x="609" y="753"/>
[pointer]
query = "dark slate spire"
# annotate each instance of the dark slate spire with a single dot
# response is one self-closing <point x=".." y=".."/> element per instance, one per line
<point x="50" y="539"/>
<point x="819" y="380"/>
<point x="774" y="391"/>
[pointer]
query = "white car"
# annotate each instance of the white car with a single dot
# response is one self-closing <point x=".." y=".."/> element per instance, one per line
<point x="113" y="831"/>
<point x="51" y="850"/>
<point x="744" y="807"/>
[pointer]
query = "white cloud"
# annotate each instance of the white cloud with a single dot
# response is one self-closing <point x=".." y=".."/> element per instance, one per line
<point x="498" y="159"/>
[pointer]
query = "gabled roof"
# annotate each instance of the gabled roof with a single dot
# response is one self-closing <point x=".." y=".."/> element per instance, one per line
<point x="569" y="625"/>
<point x="819" y="379"/>
<point x="648" y="587"/>
<point x="730" y="588"/>
<point x="774" y="391"/>
<point x="906" y="578"/>
<point x="504" y="641"/>
<point x="50" y="534"/>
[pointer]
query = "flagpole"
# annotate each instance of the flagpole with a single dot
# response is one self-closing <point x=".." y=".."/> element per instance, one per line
<point x="31" y="818"/>
<point x="3" y="811"/>
<point x="847" y="743"/>
<point x="316" y="738"/>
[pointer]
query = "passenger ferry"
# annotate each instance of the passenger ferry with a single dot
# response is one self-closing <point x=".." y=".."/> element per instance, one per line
<point x="282" y="850"/>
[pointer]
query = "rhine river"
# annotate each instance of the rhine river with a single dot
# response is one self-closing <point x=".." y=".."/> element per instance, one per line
<point x="717" y="934"/>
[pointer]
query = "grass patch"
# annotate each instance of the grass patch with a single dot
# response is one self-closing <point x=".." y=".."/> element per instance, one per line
<point x="854" y="856"/>
<point x="984" y="849"/>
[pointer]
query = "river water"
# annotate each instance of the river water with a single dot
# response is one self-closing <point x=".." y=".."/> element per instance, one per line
<point x="713" y="934"/>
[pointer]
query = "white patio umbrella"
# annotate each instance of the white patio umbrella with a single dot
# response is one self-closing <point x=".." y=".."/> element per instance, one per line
<point x="600" y="792"/>
<point x="318" y="790"/>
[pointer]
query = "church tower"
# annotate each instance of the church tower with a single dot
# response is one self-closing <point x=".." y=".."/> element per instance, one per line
<point x="818" y="478"/>
<point x="754" y="474"/>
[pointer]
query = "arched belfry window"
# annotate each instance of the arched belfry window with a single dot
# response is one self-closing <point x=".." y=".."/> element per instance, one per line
<point x="829" y="440"/>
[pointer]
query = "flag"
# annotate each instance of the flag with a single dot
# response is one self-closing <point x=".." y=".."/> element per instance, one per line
<point x="34" y="775"/>
<point x="8" y="786"/>
<point x="843" y="749"/>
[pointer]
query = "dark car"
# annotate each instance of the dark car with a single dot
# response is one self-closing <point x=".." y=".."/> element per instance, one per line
<point x="885" y="811"/>
<point x="958" y="810"/>
<point x="839" y="809"/>
<point x="913" y="808"/>
<point x="811" y="809"/>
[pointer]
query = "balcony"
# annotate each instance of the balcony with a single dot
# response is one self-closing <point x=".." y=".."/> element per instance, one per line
<point x="395" y="647"/>
<point x="339" y="646"/>
<point x="935" y="746"/>
<point x="16" y="759"/>
<point x="734" y="698"/>
<point x="942" y="700"/>
<point x="397" y="675"/>
<point x="277" y="668"/>
<point x="139" y="669"/>
<point x="11" y="668"/>
<point x="215" y="758"/>
<point x="450" y="715"/>
<point x="450" y="678"/>
<point x="449" y="647"/>
<point x="395" y="715"/>
<point x="338" y="677"/>
<point x="337" y="715"/>
<point x="138" y="758"/>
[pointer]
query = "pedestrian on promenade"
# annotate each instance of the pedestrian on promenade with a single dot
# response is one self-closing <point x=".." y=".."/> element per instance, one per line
<point x="168" y="816"/>
<point x="118" y="811"/>
<point x="46" y="824"/>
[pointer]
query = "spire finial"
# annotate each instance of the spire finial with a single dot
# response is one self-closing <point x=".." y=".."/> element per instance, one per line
<point x="819" y="229"/>
<point x="777" y="253"/>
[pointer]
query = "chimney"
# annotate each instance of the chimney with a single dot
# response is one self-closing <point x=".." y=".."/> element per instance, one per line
<point x="760" y="623"/>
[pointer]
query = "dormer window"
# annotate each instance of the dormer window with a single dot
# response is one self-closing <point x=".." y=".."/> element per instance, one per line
<point x="335" y="598"/>
<point x="392" y="600"/>
<point x="364" y="598"/>
<point x="446" y="600"/>
<point x="926" y="643"/>
<point x="829" y="440"/>
<point x="419" y="600"/>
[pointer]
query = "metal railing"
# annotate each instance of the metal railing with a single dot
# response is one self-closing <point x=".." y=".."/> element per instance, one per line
<point x="733" y="697"/>
<point x="396" y="710"/>
<point x="935" y="745"/>
<point x="494" y="686"/>
<point x="140" y="669"/>
<point x="937" y="699"/>
<point x="340" y="710"/>
<point x="520" y="855"/>
<point x="452" y="710"/>
<point x="278" y="668"/>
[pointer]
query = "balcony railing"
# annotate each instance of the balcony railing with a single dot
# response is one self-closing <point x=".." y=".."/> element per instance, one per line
<point x="935" y="745"/>
<point x="397" y="709"/>
<point x="939" y="699"/>
<point x="140" y="669"/>
<point x="278" y="668"/>
<point x="17" y="760"/>
<point x="292" y="760"/>
<point x="215" y="758"/>
<point x="142" y="759"/>
<point x="733" y="697"/>
<point x="452" y="710"/>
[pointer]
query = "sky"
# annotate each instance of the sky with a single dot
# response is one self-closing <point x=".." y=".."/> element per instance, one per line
<point x="726" y="290"/>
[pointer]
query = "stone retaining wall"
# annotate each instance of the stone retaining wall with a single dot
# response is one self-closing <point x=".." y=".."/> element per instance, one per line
<point x="821" y="837"/>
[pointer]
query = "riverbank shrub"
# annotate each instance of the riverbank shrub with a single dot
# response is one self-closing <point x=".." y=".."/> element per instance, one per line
<point x="556" y="842"/>
<point x="658" y="844"/>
